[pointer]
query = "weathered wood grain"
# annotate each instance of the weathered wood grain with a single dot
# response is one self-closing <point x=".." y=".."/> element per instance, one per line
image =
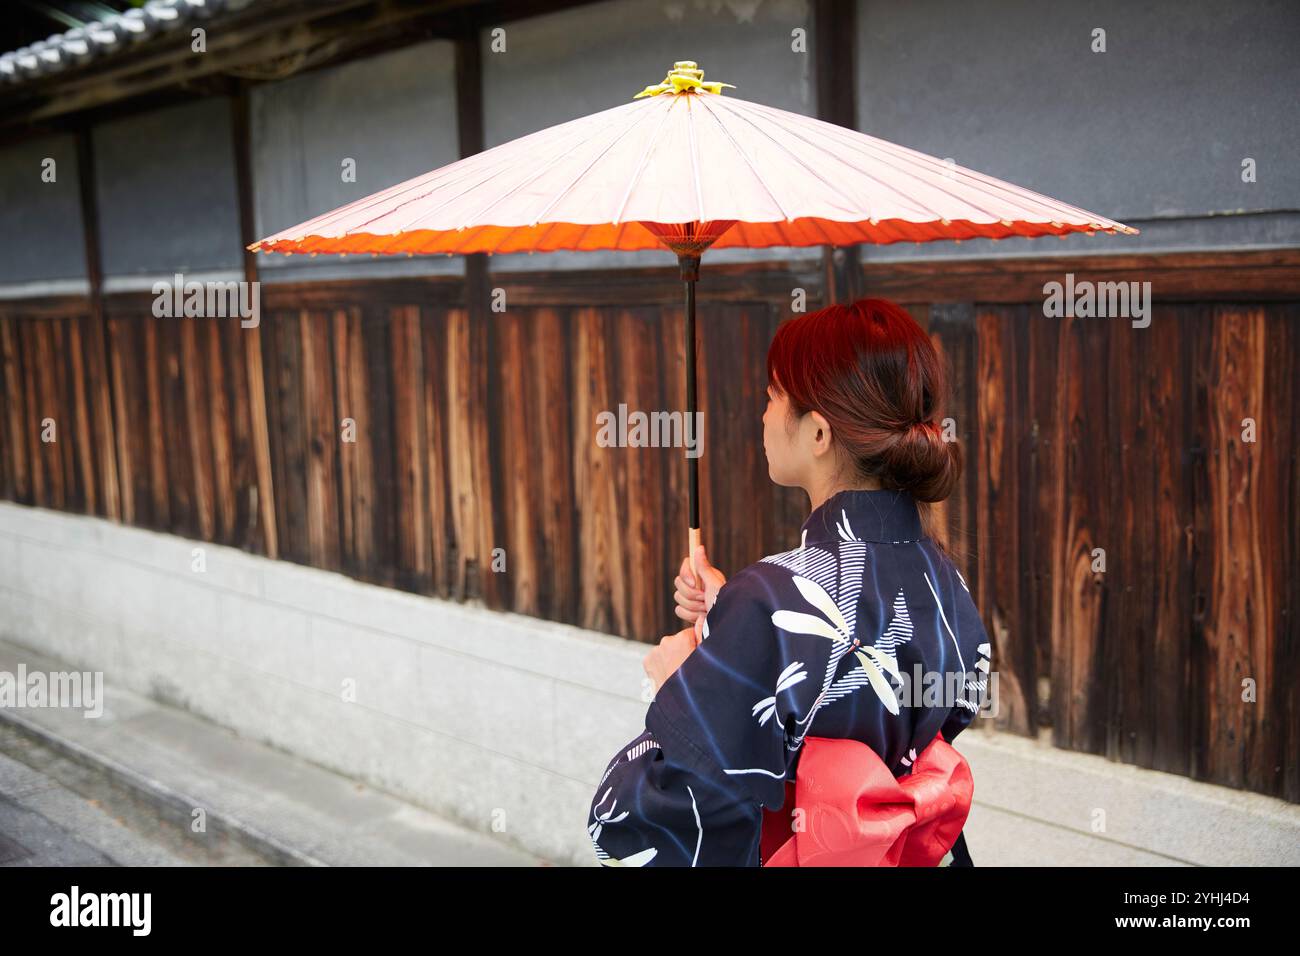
<point x="476" y="430"/>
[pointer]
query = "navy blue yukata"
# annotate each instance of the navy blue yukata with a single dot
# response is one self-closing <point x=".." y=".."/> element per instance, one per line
<point x="866" y="630"/>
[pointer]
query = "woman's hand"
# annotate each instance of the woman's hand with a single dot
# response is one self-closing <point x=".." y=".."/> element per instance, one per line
<point x="663" y="660"/>
<point x="695" y="597"/>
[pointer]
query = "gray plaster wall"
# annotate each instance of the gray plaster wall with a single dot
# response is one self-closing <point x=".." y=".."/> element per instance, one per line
<point x="1152" y="132"/>
<point x="165" y="186"/>
<point x="40" y="222"/>
<point x="394" y="115"/>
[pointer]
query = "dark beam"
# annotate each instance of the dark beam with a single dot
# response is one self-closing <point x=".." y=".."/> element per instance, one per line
<point x="835" y="68"/>
<point x="252" y="337"/>
<point x="324" y="32"/>
<point x="98" y="327"/>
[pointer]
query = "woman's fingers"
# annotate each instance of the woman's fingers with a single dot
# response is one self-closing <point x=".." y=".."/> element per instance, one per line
<point x="683" y="588"/>
<point x="685" y="573"/>
<point x="713" y="579"/>
<point x="685" y="595"/>
<point x="688" y="598"/>
<point x="690" y="604"/>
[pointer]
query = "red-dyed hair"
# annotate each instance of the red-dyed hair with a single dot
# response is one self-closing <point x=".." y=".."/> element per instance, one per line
<point x="873" y="373"/>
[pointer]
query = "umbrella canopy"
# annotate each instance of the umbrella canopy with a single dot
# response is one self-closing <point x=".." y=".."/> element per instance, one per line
<point x="744" y="174"/>
<point x="685" y="168"/>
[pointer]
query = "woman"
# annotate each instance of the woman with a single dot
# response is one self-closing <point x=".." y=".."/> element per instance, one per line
<point x="850" y="630"/>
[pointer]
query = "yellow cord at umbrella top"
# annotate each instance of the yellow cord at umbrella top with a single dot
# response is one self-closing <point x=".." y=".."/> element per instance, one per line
<point x="684" y="77"/>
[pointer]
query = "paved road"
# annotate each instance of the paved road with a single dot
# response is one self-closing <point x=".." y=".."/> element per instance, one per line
<point x="45" y="823"/>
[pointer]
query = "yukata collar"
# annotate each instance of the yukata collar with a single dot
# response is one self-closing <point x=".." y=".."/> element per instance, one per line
<point x="889" y="517"/>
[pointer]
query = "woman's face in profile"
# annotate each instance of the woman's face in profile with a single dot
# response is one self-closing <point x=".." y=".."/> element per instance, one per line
<point x="780" y="441"/>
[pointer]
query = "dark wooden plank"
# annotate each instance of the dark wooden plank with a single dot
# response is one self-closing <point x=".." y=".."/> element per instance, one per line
<point x="122" y="358"/>
<point x="13" y="440"/>
<point x="1282" y="463"/>
<point x="348" y="437"/>
<point x="634" y="344"/>
<point x="520" y="504"/>
<point x="411" y="497"/>
<point x="379" y="432"/>
<point x="71" y="432"/>
<point x="323" y="437"/>
<point x="601" y="554"/>
<point x="290" y="475"/>
<point x="1240" y="603"/>
<point x="220" y="425"/>
<point x="1001" y="429"/>
<point x="182" y="487"/>
<point x="1168" y="526"/>
<point x="44" y="404"/>
<point x="242" y="485"/>
<point x="259" y="417"/>
<point x="551" y="388"/>
<point x="1125" y="639"/>
<point x="161" y="512"/>
<point x="32" y="405"/>
<point x="437" y="452"/>
<point x="197" y="422"/>
<point x="952" y="330"/>
<point x="1042" y="336"/>
<point x="83" y="457"/>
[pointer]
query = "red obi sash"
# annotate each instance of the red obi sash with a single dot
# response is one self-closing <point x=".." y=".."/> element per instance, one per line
<point x="857" y="813"/>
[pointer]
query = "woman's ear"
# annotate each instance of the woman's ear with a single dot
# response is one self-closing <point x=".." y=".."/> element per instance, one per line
<point x="819" y="431"/>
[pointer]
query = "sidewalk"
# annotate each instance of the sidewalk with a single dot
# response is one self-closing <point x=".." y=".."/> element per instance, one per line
<point x="271" y="803"/>
<point x="1034" y="805"/>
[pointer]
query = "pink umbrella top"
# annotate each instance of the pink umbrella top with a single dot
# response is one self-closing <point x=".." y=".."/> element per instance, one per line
<point x="747" y="174"/>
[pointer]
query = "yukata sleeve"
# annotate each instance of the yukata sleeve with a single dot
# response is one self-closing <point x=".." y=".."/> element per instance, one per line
<point x="978" y="655"/>
<point x="650" y="810"/>
<point x="690" y="790"/>
<point x="958" y="719"/>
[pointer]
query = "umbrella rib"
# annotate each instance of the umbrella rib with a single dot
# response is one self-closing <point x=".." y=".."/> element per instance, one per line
<point x="641" y="164"/>
<point x="988" y="185"/>
<point x="560" y="155"/>
<point x="861" y="141"/>
<point x="434" y="179"/>
<point x="610" y="145"/>
<point x="695" y="159"/>
<point x="752" y="168"/>
<point x="995" y="191"/>
<point x="797" y="159"/>
<point x="427" y="181"/>
<point x="905" y="171"/>
<point x="539" y="243"/>
<point x="507" y="164"/>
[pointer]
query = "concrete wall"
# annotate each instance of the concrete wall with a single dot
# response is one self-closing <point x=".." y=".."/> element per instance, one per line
<point x="469" y="712"/>
<point x="460" y="710"/>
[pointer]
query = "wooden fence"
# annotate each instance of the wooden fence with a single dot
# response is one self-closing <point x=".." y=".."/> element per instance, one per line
<point x="475" y="431"/>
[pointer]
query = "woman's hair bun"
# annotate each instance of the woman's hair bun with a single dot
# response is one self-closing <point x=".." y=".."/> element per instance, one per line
<point x="919" y="462"/>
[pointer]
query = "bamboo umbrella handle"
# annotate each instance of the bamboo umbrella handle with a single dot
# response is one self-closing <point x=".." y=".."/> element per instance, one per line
<point x="690" y="272"/>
